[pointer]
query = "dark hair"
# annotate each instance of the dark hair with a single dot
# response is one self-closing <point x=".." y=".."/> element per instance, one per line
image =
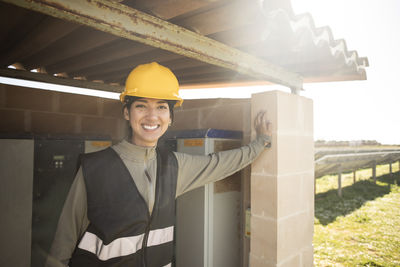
<point x="128" y="101"/>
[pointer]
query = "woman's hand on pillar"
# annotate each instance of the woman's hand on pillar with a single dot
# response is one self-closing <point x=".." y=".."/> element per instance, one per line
<point x="261" y="124"/>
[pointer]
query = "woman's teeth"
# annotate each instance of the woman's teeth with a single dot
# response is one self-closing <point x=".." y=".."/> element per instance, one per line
<point x="148" y="127"/>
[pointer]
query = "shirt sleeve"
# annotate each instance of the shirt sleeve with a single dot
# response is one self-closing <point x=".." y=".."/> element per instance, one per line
<point x="197" y="170"/>
<point x="71" y="225"/>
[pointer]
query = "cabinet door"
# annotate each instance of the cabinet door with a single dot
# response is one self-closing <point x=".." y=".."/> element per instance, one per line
<point x="55" y="165"/>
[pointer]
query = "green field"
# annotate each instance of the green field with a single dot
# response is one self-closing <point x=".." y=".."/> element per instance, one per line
<point x="363" y="227"/>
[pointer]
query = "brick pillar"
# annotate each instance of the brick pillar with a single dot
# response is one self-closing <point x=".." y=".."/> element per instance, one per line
<point x="282" y="184"/>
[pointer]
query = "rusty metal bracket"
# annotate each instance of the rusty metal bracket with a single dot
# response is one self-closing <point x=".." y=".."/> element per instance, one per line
<point x="123" y="21"/>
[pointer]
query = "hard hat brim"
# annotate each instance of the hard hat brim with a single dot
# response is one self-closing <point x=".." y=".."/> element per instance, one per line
<point x="178" y="99"/>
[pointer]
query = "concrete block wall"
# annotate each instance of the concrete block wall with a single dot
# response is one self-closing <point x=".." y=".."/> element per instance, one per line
<point x="227" y="114"/>
<point x="41" y="111"/>
<point x="46" y="112"/>
<point x="282" y="178"/>
<point x="282" y="184"/>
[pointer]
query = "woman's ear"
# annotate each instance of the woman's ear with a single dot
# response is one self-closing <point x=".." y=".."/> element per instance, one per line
<point x="126" y="114"/>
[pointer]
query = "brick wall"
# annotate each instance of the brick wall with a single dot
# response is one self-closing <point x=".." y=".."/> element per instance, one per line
<point x="227" y="114"/>
<point x="46" y="112"/>
<point x="282" y="178"/>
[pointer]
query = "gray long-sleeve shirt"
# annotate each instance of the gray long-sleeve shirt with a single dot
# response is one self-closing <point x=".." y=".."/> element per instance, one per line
<point x="193" y="171"/>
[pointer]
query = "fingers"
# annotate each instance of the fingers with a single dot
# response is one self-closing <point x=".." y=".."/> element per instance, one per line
<point x="257" y="121"/>
<point x="259" y="117"/>
<point x="264" y="120"/>
<point x="261" y="123"/>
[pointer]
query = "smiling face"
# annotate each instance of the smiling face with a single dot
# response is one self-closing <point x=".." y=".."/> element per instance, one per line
<point x="149" y="119"/>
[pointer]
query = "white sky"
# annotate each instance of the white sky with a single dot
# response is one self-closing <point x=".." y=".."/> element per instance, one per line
<point x="355" y="110"/>
<point x="360" y="109"/>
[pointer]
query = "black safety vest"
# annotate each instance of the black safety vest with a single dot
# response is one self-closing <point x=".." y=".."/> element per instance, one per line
<point x="121" y="231"/>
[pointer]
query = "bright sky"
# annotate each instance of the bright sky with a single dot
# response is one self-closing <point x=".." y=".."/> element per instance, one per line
<point x="363" y="109"/>
<point x="355" y="110"/>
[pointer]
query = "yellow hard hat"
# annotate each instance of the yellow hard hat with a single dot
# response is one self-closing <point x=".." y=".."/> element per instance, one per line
<point x="152" y="81"/>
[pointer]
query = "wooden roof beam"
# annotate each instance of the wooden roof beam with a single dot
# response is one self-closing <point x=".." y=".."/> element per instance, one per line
<point x="132" y="24"/>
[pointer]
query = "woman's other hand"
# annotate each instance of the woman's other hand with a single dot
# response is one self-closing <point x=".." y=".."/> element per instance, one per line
<point x="261" y="124"/>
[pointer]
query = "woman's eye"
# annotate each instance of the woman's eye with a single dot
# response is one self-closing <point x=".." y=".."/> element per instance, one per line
<point x="139" y="106"/>
<point x="162" y="107"/>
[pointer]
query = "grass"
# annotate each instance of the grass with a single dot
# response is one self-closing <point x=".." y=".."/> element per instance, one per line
<point x="363" y="227"/>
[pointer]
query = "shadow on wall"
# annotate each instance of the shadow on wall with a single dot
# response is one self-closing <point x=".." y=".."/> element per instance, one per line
<point x="329" y="206"/>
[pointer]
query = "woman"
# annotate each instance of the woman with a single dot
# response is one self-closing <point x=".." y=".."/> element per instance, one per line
<point x="120" y="210"/>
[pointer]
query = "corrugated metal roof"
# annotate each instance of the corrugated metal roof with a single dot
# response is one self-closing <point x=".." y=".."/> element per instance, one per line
<point x="265" y="29"/>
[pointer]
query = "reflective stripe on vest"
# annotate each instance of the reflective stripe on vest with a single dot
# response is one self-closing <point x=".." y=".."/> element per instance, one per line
<point x="125" y="245"/>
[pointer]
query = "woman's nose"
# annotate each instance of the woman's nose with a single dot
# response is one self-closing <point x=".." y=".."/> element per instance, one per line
<point x="152" y="112"/>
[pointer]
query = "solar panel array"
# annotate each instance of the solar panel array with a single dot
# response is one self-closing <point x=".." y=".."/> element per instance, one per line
<point x="336" y="161"/>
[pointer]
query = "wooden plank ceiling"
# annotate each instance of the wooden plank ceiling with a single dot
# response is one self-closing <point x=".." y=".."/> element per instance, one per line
<point x="267" y="30"/>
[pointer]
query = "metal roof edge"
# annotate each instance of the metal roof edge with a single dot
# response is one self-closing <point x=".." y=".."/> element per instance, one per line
<point x="320" y="35"/>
